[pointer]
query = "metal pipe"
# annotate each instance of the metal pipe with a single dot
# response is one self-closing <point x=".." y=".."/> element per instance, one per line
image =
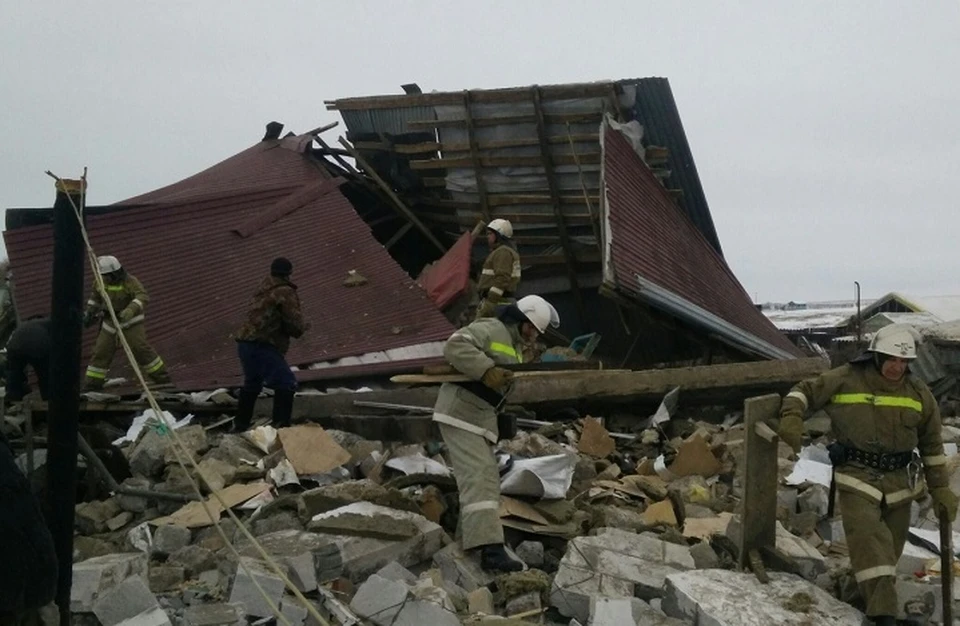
<point x="66" y="309"/>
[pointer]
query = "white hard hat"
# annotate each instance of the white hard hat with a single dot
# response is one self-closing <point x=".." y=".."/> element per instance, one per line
<point x="897" y="340"/>
<point x="502" y="227"/>
<point x="540" y="312"/>
<point x="108" y="264"/>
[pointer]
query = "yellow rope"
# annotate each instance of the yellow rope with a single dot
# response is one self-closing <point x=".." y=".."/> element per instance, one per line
<point x="180" y="450"/>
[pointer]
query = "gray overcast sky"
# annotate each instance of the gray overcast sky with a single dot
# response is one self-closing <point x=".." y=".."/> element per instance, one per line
<point x="826" y="134"/>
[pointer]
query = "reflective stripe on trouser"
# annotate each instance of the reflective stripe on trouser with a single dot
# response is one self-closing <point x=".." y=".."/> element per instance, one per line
<point x="478" y="481"/>
<point x="875" y="537"/>
<point x="105" y="349"/>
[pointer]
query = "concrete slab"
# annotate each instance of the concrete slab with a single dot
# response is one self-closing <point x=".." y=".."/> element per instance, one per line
<point x="396" y="572"/>
<point x="725" y="598"/>
<point x="807" y="558"/>
<point x="169" y="538"/>
<point x="623" y="611"/>
<point x="130" y="604"/>
<point x="461" y="569"/>
<point x="380" y="600"/>
<point x="245" y="593"/>
<point x="93" y="577"/>
<point x="214" y="615"/>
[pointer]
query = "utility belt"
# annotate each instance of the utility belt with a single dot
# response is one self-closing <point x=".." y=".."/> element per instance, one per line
<point x="506" y="422"/>
<point x="841" y="454"/>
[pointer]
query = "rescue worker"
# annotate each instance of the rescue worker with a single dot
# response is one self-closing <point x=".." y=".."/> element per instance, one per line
<point x="28" y="578"/>
<point x="500" y="275"/>
<point x="129" y="300"/>
<point x="880" y="414"/>
<point x="467" y="417"/>
<point x="262" y="344"/>
<point x="29" y="346"/>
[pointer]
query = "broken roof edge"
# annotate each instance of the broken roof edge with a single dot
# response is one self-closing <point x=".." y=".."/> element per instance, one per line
<point x="683" y="309"/>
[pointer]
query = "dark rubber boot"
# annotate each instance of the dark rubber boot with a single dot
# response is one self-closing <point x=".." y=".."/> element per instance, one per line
<point x="245" y="403"/>
<point x="282" y="407"/>
<point x="494" y="558"/>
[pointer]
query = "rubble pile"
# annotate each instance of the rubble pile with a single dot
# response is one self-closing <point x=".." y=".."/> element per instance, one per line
<point x="632" y="527"/>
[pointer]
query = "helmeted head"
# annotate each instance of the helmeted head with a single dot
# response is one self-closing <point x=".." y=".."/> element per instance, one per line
<point x="281" y="267"/>
<point x="539" y="313"/>
<point x="893" y="347"/>
<point x="110" y="268"/>
<point x="497" y="230"/>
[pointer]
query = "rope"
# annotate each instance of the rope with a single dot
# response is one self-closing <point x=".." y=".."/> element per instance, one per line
<point x="180" y="450"/>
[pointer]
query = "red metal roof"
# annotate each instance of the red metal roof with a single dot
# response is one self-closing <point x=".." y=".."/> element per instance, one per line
<point x="652" y="238"/>
<point x="201" y="247"/>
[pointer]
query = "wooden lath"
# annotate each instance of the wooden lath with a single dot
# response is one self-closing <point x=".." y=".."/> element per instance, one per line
<point x="478" y="161"/>
<point x="474" y="157"/>
<point x="430" y="147"/>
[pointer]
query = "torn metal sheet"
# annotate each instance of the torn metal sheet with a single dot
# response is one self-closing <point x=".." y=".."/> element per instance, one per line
<point x="418" y="464"/>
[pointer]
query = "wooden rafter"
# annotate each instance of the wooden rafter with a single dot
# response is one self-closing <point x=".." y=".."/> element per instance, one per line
<point x="557" y="207"/>
<point x="429" y="147"/>
<point x="474" y="157"/>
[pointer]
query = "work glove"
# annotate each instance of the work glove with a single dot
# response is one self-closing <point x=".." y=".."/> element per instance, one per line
<point x="486" y="308"/>
<point x="497" y="378"/>
<point x="791" y="431"/>
<point x="945" y="502"/>
<point x="125" y="316"/>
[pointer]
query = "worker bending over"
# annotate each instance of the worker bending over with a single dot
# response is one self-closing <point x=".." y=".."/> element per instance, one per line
<point x="129" y="300"/>
<point x="28" y="346"/>
<point x="467" y="417"/>
<point x="500" y="275"/>
<point x="880" y="413"/>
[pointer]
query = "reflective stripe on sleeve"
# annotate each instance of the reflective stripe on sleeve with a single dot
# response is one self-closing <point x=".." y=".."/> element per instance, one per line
<point x="875" y="572"/>
<point x="488" y="272"/>
<point x="935" y="460"/>
<point x="858" y="485"/>
<point x="799" y="395"/>
<point x="496" y="291"/>
<point x="138" y="303"/>
<point x="114" y="287"/>
<point x="456" y="422"/>
<point x="506" y="349"/>
<point x="485" y="505"/>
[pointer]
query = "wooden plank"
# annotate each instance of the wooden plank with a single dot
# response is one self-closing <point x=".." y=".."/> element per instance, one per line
<point x="557" y="259"/>
<point x="459" y="146"/>
<point x="444" y="217"/>
<point x="758" y="528"/>
<point x="495" y="200"/>
<point x="483" y="96"/>
<point x="560" y="118"/>
<point x="548" y="163"/>
<point x="397" y="236"/>
<point x="590" y="158"/>
<point x="436" y="379"/>
<point x="476" y="161"/>
<point x="398" y="204"/>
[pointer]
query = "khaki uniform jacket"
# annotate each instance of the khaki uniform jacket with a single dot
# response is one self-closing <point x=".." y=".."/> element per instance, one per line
<point x="275" y="316"/>
<point x="127" y="297"/>
<point x="473" y="350"/>
<point x="500" y="274"/>
<point x="873" y="414"/>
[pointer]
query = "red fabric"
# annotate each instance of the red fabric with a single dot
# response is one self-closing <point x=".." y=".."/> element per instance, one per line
<point x="448" y="278"/>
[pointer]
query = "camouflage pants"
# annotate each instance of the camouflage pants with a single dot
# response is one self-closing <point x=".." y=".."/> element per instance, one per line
<point x="106" y="347"/>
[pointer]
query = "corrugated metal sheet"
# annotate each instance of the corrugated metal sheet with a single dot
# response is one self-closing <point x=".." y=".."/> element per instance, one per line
<point x="657" y="111"/>
<point x="201" y="274"/>
<point x="651" y="238"/>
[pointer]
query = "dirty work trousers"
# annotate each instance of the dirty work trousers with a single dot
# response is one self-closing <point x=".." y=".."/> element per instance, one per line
<point x="17" y="384"/>
<point x="875" y="537"/>
<point x="106" y="348"/>
<point x="263" y="365"/>
<point x="468" y="426"/>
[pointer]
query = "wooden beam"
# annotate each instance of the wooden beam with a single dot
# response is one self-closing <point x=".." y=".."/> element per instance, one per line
<point x="557" y="259"/>
<point x="397" y="236"/>
<point x="561" y="118"/>
<point x="474" y="158"/>
<point x="502" y="200"/>
<point x="591" y="158"/>
<point x="481" y="96"/>
<point x="573" y="219"/>
<point x="459" y="146"/>
<point x="557" y="211"/>
<point x="398" y="204"/>
<point x="758" y="529"/>
<point x="594" y="223"/>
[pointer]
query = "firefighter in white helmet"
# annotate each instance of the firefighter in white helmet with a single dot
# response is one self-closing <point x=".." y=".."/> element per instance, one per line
<point x="467" y="417"/>
<point x="880" y="413"/>
<point x="129" y="300"/>
<point x="501" y="270"/>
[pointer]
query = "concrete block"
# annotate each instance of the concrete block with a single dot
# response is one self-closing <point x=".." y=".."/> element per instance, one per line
<point x="918" y="598"/>
<point x="214" y="615"/>
<point x="787" y="499"/>
<point x="245" y="593"/>
<point x="295" y="549"/>
<point x="93" y="577"/>
<point x="704" y="556"/>
<point x="725" y="598"/>
<point x="295" y="612"/>
<point x="816" y="499"/>
<point x="807" y="558"/>
<point x="193" y="559"/>
<point x="169" y="538"/>
<point x="523" y="603"/>
<point x="421" y="613"/>
<point x="623" y="611"/>
<point x="832" y="530"/>
<point x="531" y="553"/>
<point x="396" y="572"/>
<point x="130" y="604"/>
<point x="915" y="559"/>
<point x="134" y="504"/>
<point x="574" y="587"/>
<point x="164" y="578"/>
<point x="481" y="601"/>
<point x="380" y="600"/>
<point x="462" y="569"/>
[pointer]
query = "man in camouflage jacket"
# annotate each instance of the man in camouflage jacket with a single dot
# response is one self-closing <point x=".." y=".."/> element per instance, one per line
<point x="263" y="341"/>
